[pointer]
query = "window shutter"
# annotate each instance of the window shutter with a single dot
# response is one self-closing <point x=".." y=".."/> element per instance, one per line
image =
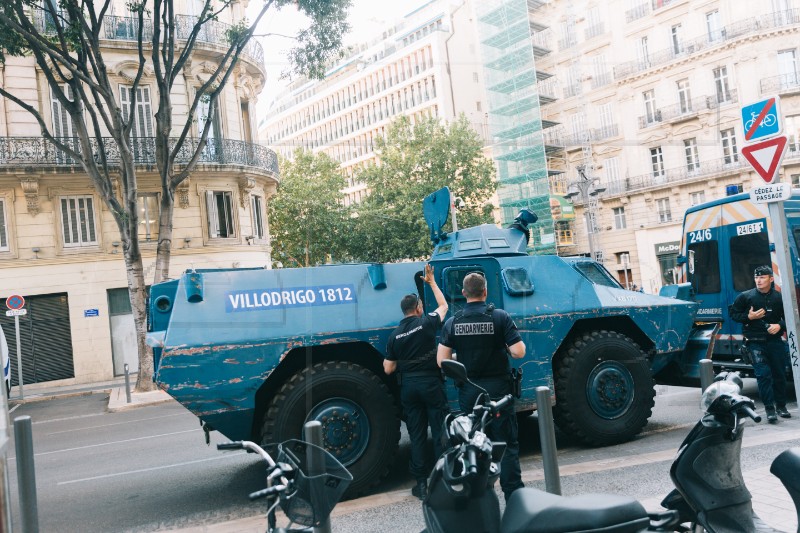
<point x="213" y="216"/>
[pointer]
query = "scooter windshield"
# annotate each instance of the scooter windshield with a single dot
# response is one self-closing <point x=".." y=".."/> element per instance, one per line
<point x="715" y="390"/>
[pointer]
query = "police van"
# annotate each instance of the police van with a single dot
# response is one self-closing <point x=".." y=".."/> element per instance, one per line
<point x="722" y="243"/>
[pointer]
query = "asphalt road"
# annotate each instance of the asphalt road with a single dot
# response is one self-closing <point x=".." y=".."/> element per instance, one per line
<point x="148" y="469"/>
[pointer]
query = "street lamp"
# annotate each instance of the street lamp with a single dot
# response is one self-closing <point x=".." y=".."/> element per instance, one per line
<point x="588" y="189"/>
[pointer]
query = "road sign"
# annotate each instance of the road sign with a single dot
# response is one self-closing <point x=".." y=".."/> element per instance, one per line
<point x="16" y="312"/>
<point x="15" y="302"/>
<point x="762" y="120"/>
<point x="774" y="192"/>
<point x="765" y="156"/>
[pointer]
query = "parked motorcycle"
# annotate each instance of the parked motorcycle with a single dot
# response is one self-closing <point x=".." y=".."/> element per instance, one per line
<point x="461" y="494"/>
<point x="709" y="487"/>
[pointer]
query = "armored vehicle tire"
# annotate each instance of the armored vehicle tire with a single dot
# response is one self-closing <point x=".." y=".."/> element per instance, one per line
<point x="360" y="426"/>
<point x="604" y="388"/>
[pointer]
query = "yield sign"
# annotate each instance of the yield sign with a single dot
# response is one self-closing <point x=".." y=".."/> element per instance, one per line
<point x="765" y="156"/>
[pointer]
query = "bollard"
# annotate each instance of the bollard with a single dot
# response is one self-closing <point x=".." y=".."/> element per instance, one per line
<point x="127" y="384"/>
<point x="26" y="474"/>
<point x="312" y="432"/>
<point x="706" y="373"/>
<point x="547" y="437"/>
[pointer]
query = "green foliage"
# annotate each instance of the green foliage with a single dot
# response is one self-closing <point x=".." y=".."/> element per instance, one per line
<point x="321" y="42"/>
<point x="416" y="160"/>
<point x="307" y="217"/>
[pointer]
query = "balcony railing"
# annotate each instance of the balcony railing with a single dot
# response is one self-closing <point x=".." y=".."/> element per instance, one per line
<point x="688" y="109"/>
<point x="567" y="42"/>
<point x="637" y="12"/>
<point x="127" y="29"/>
<point x="658" y="4"/>
<point x="601" y="80"/>
<point x="594" y="31"/>
<point x="36" y="151"/>
<point x="749" y="26"/>
<point x="783" y="83"/>
<point x="706" y="169"/>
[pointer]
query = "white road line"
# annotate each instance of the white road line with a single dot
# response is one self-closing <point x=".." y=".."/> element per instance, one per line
<point x="129" y="472"/>
<point x="72" y="430"/>
<point x="110" y="443"/>
<point x="14" y="408"/>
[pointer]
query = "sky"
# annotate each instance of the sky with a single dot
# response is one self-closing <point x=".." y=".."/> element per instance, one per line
<point x="367" y="18"/>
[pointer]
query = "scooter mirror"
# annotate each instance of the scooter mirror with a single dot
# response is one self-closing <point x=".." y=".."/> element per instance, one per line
<point x="455" y="371"/>
<point x="715" y="390"/>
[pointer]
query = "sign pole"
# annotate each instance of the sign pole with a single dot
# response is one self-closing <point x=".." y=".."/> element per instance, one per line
<point x="789" y="296"/>
<point x="19" y="357"/>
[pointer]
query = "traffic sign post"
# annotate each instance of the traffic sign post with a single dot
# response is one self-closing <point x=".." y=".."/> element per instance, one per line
<point x="762" y="122"/>
<point x="15" y="304"/>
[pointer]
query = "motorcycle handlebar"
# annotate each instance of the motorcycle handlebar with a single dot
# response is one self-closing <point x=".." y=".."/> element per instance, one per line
<point x="230" y="445"/>
<point x="501" y="403"/>
<point x="752" y="414"/>
<point x="269" y="491"/>
<point x="471" y="464"/>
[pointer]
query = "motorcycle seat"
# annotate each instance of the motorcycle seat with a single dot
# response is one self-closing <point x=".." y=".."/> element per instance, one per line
<point x="530" y="510"/>
<point x="786" y="466"/>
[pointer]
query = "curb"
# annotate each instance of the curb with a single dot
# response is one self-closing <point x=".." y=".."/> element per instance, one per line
<point x="45" y="397"/>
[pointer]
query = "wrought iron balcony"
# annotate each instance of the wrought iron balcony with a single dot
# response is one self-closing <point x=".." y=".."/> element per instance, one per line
<point x="594" y="31"/>
<point x="36" y="151"/>
<point x="127" y="29"/>
<point x="688" y="109"/>
<point x="637" y="12"/>
<point x="704" y="170"/>
<point x="742" y="28"/>
<point x="782" y="84"/>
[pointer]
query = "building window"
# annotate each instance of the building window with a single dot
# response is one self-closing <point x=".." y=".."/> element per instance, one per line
<point x="684" y="96"/>
<point x="714" y="26"/>
<point x="3" y="227"/>
<point x="611" y="167"/>
<point x="77" y="220"/>
<point x="697" y="198"/>
<point x="650" y="106"/>
<point x="219" y="208"/>
<point x="147" y="205"/>
<point x="675" y="39"/>
<point x="478" y="106"/>
<point x="729" y="152"/>
<point x="787" y="68"/>
<point x="657" y="161"/>
<point x="143" y="116"/>
<point x="619" y="218"/>
<point x="644" y="53"/>
<point x="795" y="180"/>
<point x="739" y="187"/>
<point x="257" y="216"/>
<point x="692" y="156"/>
<point x="792" y="131"/>
<point x="721" y="84"/>
<point x="664" y="212"/>
<point x="475" y="77"/>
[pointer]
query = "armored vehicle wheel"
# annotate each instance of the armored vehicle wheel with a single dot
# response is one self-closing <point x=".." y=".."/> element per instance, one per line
<point x="360" y="426"/>
<point x="604" y="388"/>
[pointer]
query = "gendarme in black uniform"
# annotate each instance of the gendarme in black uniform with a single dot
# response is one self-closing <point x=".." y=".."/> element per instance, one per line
<point x="413" y="346"/>
<point x="767" y="351"/>
<point x="480" y="335"/>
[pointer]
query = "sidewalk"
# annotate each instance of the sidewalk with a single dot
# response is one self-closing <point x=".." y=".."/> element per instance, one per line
<point x="117" y="400"/>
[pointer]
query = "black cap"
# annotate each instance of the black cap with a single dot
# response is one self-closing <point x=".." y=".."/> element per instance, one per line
<point x="763" y="271"/>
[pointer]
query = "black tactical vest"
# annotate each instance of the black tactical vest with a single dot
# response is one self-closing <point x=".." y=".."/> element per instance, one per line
<point x="479" y="344"/>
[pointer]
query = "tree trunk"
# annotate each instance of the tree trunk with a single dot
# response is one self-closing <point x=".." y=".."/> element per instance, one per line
<point x="164" y="252"/>
<point x="137" y="288"/>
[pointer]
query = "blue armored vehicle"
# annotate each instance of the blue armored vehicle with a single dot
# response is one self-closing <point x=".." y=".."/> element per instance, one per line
<point x="256" y="353"/>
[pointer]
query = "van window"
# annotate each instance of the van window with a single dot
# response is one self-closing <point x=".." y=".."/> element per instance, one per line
<point x="596" y="274"/>
<point x="748" y="252"/>
<point x="706" y="267"/>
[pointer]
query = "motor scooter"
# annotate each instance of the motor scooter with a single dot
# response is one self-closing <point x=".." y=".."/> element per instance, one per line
<point x="710" y="493"/>
<point x="461" y="494"/>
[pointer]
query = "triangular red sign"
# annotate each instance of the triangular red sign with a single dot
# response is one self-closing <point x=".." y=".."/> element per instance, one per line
<point x="765" y="156"/>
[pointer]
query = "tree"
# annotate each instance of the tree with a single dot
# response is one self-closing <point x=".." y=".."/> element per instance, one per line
<point x="416" y="160"/>
<point x="64" y="38"/>
<point x="307" y="217"/>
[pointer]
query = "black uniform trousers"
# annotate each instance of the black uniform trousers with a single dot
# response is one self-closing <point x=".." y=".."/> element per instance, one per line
<point x="769" y="366"/>
<point x="424" y="402"/>
<point x="502" y="429"/>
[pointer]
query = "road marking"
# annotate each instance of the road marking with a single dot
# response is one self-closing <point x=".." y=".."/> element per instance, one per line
<point x="14" y="408"/>
<point x="110" y="443"/>
<point x="129" y="472"/>
<point x="115" y="424"/>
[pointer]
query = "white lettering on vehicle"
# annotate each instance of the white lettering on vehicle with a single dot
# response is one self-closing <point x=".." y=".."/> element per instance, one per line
<point x="252" y="300"/>
<point x="710" y="311"/>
